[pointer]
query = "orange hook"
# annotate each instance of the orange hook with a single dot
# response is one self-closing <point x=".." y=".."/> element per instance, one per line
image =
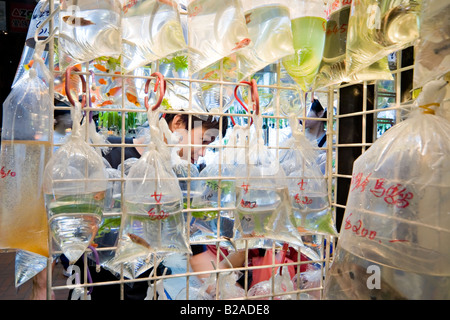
<point x="254" y="95"/>
<point x="67" y="86"/>
<point x="162" y="90"/>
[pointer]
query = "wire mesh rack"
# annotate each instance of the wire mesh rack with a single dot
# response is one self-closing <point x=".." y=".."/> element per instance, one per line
<point x="358" y="113"/>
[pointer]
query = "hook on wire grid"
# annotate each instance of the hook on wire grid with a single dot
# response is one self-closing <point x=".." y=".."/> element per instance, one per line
<point x="67" y="86"/>
<point x="162" y="90"/>
<point x="254" y="95"/>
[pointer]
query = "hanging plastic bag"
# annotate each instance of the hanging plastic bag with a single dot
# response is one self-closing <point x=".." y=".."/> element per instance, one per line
<point x="75" y="182"/>
<point x="263" y="207"/>
<point x="394" y="238"/>
<point x="432" y="51"/>
<point x="333" y="66"/>
<point x="25" y="150"/>
<point x="88" y="30"/>
<point x="151" y="30"/>
<point x="269" y="29"/>
<point x="379" y="27"/>
<point x="307" y="185"/>
<point x="153" y="219"/>
<point x="308" y="31"/>
<point x="215" y="30"/>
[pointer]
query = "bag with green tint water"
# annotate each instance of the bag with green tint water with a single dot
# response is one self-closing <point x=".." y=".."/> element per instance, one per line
<point x="308" y="30"/>
<point x="379" y="27"/>
<point x="333" y="69"/>
<point x="269" y="29"/>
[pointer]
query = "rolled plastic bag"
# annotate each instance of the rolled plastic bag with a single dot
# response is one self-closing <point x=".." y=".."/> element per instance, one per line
<point x="88" y="30"/>
<point x="379" y="27"/>
<point x="153" y="220"/>
<point x="308" y="31"/>
<point x="432" y="51"/>
<point x="307" y="185"/>
<point x="215" y="30"/>
<point x="396" y="229"/>
<point x="333" y="68"/>
<point x="75" y="182"/>
<point x="151" y="30"/>
<point x="25" y="150"/>
<point x="269" y="29"/>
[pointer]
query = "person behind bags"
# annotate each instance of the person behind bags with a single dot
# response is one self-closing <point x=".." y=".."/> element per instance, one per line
<point x="315" y="129"/>
<point x="203" y="132"/>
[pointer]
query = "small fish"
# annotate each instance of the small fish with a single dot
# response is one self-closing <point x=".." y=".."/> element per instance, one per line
<point x="100" y="67"/>
<point x="114" y="78"/>
<point x="243" y="43"/>
<point x="138" y="240"/>
<point x="77" y="21"/>
<point x="105" y="103"/>
<point x="99" y="195"/>
<point x="102" y="81"/>
<point x="113" y="91"/>
<point x="29" y="65"/>
<point x="133" y="99"/>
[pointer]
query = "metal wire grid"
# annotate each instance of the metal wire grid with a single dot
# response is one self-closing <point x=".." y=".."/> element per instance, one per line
<point x="332" y="175"/>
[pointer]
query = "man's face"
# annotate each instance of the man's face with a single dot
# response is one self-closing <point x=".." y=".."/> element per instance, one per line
<point x="200" y="138"/>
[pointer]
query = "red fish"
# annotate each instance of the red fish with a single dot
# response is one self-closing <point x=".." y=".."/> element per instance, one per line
<point x="102" y="81"/>
<point x="243" y="43"/>
<point x="105" y="103"/>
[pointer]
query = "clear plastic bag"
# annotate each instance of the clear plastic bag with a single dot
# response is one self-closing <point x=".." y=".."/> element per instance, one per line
<point x="75" y="182"/>
<point x="308" y="31"/>
<point x="263" y="209"/>
<point x="396" y="228"/>
<point x="211" y="222"/>
<point x="153" y="219"/>
<point x="307" y="185"/>
<point x="333" y="69"/>
<point x="269" y="29"/>
<point x="27" y="265"/>
<point x="88" y="30"/>
<point x="432" y="51"/>
<point x="25" y="150"/>
<point x="379" y="27"/>
<point x="151" y="30"/>
<point x="216" y="29"/>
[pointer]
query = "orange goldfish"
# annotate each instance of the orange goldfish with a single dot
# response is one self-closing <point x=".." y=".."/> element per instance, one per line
<point x="133" y="99"/>
<point x="105" y="103"/>
<point x="102" y="81"/>
<point x="77" y="21"/>
<point x="100" y="67"/>
<point x="113" y="91"/>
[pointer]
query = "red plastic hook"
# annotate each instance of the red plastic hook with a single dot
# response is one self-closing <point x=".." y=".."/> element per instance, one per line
<point x="254" y="95"/>
<point x="67" y="86"/>
<point x="162" y="90"/>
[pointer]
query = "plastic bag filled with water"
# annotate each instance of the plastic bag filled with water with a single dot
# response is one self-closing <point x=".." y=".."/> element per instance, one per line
<point x="379" y="27"/>
<point x="75" y="183"/>
<point x="216" y="29"/>
<point x="333" y="68"/>
<point x="394" y="237"/>
<point x="308" y="31"/>
<point x="432" y="55"/>
<point x="269" y="29"/>
<point x="307" y="185"/>
<point x="151" y="30"/>
<point x="88" y="30"/>
<point x="153" y="219"/>
<point x="263" y="209"/>
<point x="25" y="150"/>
